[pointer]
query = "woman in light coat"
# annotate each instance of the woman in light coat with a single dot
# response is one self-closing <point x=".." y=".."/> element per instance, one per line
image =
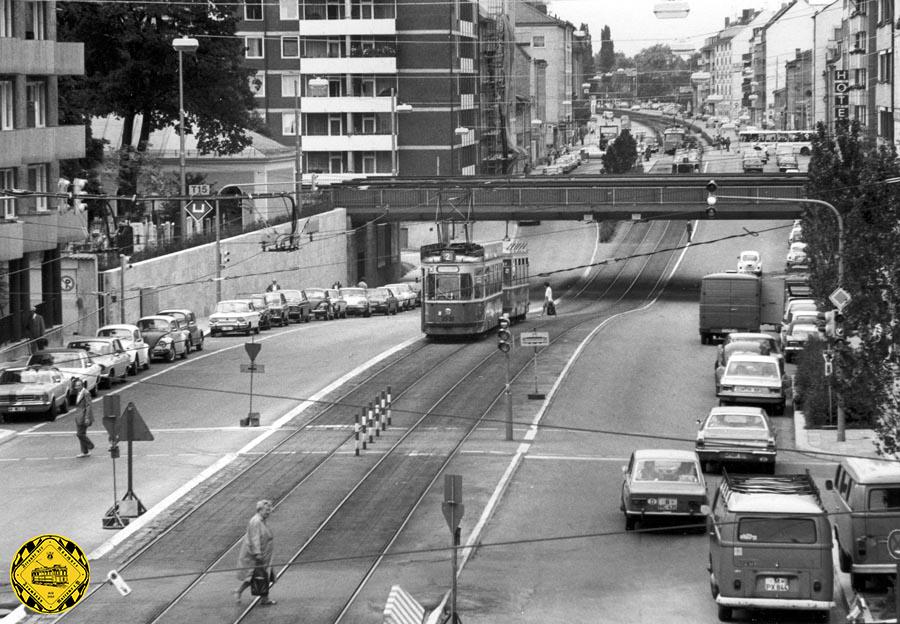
<point x="256" y="550"/>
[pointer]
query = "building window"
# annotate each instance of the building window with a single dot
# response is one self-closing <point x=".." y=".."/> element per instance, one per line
<point x="253" y="10"/>
<point x="6" y="105"/>
<point x="287" y="124"/>
<point x="537" y="41"/>
<point x="253" y="47"/>
<point x="336" y="163"/>
<point x="885" y="65"/>
<point x="368" y="124"/>
<point x="37" y="182"/>
<point x="289" y="85"/>
<point x="859" y="113"/>
<point x="258" y="84"/>
<point x="335" y="125"/>
<point x="290" y="47"/>
<point x="8" y="180"/>
<point x="885" y="11"/>
<point x="368" y="162"/>
<point x="858" y="78"/>
<point x="859" y="42"/>
<point x="362" y="10"/>
<point x="885" y="124"/>
<point x="288" y="10"/>
<point x="35" y="26"/>
<point x="6" y="18"/>
<point x="36" y="96"/>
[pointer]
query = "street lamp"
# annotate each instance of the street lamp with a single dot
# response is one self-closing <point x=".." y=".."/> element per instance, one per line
<point x="567" y="105"/>
<point x="396" y="108"/>
<point x="671" y="9"/>
<point x="182" y="45"/>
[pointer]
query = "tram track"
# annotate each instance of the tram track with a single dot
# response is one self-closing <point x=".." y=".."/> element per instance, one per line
<point x="353" y="496"/>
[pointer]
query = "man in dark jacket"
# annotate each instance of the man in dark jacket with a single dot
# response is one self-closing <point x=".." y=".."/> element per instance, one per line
<point x="34" y="330"/>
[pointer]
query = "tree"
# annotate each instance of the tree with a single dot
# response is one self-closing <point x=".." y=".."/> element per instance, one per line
<point x="621" y="154"/>
<point x="131" y="70"/>
<point x="660" y="72"/>
<point x="606" y="58"/>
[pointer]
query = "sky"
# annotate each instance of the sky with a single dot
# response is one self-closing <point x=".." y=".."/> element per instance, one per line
<point x="634" y="26"/>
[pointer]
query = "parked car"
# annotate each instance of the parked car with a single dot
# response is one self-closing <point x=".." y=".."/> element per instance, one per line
<point x="338" y="303"/>
<point x="357" y="302"/>
<point x="751" y="379"/>
<point x="298" y="306"/>
<point x="786" y="161"/>
<point x="797" y="306"/>
<point x="736" y="434"/>
<point x="109" y="354"/>
<point x="752" y="163"/>
<point x="234" y="315"/>
<point x="739" y="346"/>
<point x="796" y="258"/>
<point x="750" y="262"/>
<point x="40" y="390"/>
<point x="277" y="304"/>
<point x="259" y="304"/>
<point x="320" y="302"/>
<point x="189" y="321"/>
<point x="796" y="336"/>
<point x="130" y="337"/>
<point x="662" y="484"/>
<point x="406" y="296"/>
<point x="382" y="300"/>
<point x="165" y="335"/>
<point x="73" y="364"/>
<point x="796" y="234"/>
<point x="751" y="342"/>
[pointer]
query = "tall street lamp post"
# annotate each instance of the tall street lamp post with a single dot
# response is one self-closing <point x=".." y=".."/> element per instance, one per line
<point x="182" y="45"/>
<point x="395" y="109"/>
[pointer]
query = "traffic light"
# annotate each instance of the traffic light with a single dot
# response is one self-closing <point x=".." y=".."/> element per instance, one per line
<point x="62" y="188"/>
<point x="834" y="325"/>
<point x="711" y="188"/>
<point x="504" y="336"/>
<point x="226" y="257"/>
<point x="77" y="191"/>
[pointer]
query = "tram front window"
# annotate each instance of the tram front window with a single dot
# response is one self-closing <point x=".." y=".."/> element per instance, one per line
<point x="449" y="287"/>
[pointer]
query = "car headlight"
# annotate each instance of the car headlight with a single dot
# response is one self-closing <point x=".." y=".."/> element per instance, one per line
<point x="46" y="397"/>
<point x="167" y="340"/>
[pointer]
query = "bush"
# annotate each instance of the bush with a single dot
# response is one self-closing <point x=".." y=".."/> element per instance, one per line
<point x="811" y="386"/>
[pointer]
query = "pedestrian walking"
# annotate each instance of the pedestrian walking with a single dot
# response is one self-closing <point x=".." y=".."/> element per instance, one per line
<point x="34" y="331"/>
<point x="273" y="286"/>
<point x="362" y="283"/>
<point x="689" y="228"/>
<point x="84" y="418"/>
<point x="256" y="553"/>
<point x="727" y="144"/>
<point x="549" y="308"/>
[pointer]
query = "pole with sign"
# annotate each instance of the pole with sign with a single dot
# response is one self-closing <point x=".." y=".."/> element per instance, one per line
<point x="453" y="510"/>
<point x="535" y="339"/>
<point x="252" y="349"/>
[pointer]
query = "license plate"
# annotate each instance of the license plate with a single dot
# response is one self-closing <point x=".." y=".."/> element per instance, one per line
<point x="777" y="584"/>
<point x="17" y="408"/>
<point x="732" y="455"/>
<point x="752" y="389"/>
<point x="667" y="504"/>
<point x="227" y="327"/>
<point x="729" y="331"/>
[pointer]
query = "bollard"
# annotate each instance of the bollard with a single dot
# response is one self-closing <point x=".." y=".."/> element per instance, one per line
<point x="377" y="420"/>
<point x="383" y="410"/>
<point x="364" y="432"/>
<point x="356" y="434"/>
<point x="389" y="406"/>
<point x="371" y="423"/>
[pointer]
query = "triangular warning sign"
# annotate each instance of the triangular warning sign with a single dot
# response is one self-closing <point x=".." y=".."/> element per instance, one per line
<point x="132" y="427"/>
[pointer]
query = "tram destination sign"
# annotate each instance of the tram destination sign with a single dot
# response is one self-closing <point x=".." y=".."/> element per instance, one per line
<point x="534" y="339"/>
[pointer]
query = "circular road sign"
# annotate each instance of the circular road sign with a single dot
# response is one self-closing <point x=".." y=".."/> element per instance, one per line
<point x="893" y="544"/>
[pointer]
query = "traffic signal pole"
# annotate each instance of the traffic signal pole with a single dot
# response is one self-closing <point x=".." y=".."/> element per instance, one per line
<point x="504" y="343"/>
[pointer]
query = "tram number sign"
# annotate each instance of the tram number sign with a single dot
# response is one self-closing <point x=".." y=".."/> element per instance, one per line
<point x="535" y="339"/>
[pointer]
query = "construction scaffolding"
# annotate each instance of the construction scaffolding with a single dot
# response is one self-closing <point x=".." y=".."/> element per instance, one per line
<point x="498" y="154"/>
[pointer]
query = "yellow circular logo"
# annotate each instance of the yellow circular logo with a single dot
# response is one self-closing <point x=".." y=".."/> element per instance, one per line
<point x="50" y="574"/>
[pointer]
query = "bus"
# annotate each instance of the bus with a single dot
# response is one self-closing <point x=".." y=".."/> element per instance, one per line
<point x="797" y="141"/>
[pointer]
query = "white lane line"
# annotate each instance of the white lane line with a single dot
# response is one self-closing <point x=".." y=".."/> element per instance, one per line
<point x="139" y="523"/>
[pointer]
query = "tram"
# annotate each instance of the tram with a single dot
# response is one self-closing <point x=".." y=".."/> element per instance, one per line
<point x="673" y="139"/>
<point x="467" y="287"/>
<point x="54" y="576"/>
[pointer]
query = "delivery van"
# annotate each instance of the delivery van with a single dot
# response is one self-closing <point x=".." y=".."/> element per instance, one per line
<point x="729" y="302"/>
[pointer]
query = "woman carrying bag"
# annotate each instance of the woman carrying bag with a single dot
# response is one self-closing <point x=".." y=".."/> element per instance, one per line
<point x="255" y="556"/>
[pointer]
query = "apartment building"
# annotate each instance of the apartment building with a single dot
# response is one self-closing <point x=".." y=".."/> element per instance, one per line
<point x="725" y="56"/>
<point x="346" y="69"/>
<point x="32" y="142"/>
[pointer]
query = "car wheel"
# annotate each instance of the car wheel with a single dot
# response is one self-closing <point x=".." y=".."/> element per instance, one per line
<point x="199" y="346"/>
<point x="170" y="354"/>
<point x="344" y="315"/>
<point x="858" y="582"/>
<point x="108" y="380"/>
<point x="306" y="318"/>
<point x="367" y="313"/>
<point x="187" y="349"/>
<point x="724" y="613"/>
<point x="53" y="411"/>
<point x="213" y="333"/>
<point x="146" y="364"/>
<point x="630" y="522"/>
<point x="93" y="391"/>
<point x="133" y="368"/>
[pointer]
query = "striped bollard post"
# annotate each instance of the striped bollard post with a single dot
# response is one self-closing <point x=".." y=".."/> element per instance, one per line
<point x="364" y="432"/>
<point x="383" y="410"/>
<point x="377" y="418"/>
<point x="369" y="416"/>
<point x="389" y="406"/>
<point x="356" y="433"/>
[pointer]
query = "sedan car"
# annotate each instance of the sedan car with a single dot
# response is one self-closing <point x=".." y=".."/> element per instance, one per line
<point x="382" y="300"/>
<point x="109" y="354"/>
<point x="298" y="306"/>
<point x="795" y="337"/>
<point x="327" y="303"/>
<point x="33" y="390"/>
<point x="131" y="338"/>
<point x="750" y="342"/>
<point x="786" y="162"/>
<point x="662" y="484"/>
<point x="277" y="305"/>
<point x="337" y="302"/>
<point x="796" y="258"/>
<point x="189" y="321"/>
<point x="73" y="364"/>
<point x="357" y="302"/>
<point x="752" y="163"/>
<point x="750" y="262"/>
<point x="736" y="434"/>
<point x="751" y="379"/>
<point x="405" y="295"/>
<point x="166" y="337"/>
<point x="796" y="234"/>
<point x="234" y="315"/>
<point x="260" y="305"/>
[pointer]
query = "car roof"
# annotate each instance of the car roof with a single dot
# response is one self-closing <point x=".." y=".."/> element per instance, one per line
<point x="874" y="470"/>
<point x="58" y="350"/>
<point x="179" y="310"/>
<point x="665" y="454"/>
<point x="752" y="357"/>
<point x="93" y="339"/>
<point x="157" y="316"/>
<point x="737" y="409"/>
<point x="774" y="503"/>
<point x="120" y="326"/>
<point x="744" y="336"/>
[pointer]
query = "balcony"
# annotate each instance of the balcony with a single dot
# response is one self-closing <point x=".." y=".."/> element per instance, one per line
<point x="328" y="66"/>
<point x="11" y="233"/>
<point x="40" y="145"/>
<point x="39" y="230"/>
<point x="343" y="27"/>
<point x="347" y="143"/>
<point x="41" y="57"/>
<point x="345" y="104"/>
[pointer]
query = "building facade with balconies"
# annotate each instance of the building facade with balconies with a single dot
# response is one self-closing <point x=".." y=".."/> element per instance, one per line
<point x="34" y="229"/>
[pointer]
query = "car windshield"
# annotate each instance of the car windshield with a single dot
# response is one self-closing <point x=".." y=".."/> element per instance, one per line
<point x="798" y="247"/>
<point x="26" y="376"/>
<point x="232" y="306"/>
<point x="292" y="295"/>
<point x="354" y="292"/>
<point x="317" y="293"/>
<point x="665" y="470"/>
<point x="804" y="330"/>
<point x="740" y="421"/>
<point x="273" y="298"/>
<point x="382" y="292"/>
<point x="749" y="257"/>
<point x="743" y="346"/>
<point x="178" y="315"/>
<point x="67" y="359"/>
<point x="154" y="325"/>
<point x="259" y="301"/>
<point x="100" y="347"/>
<point x="746" y="368"/>
<point x="115" y="333"/>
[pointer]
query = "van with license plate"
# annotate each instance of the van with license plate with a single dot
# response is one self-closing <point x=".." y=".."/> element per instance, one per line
<point x="769" y="545"/>
<point x="868" y="497"/>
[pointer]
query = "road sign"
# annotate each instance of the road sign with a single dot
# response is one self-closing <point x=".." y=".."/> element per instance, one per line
<point x="452" y="506"/>
<point x="534" y="339"/>
<point x="132" y="426"/>
<point x="893" y="544"/>
<point x="67" y="283"/>
<point x="198" y="189"/>
<point x="252" y="349"/>
<point x="840" y="298"/>
<point x="198" y="209"/>
<point x="253" y="368"/>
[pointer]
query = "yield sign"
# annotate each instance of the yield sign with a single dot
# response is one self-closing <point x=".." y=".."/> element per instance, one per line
<point x="131" y="426"/>
<point x="198" y="209"/>
<point x="252" y="349"/>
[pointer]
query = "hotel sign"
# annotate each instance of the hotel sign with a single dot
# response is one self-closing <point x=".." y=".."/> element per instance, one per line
<point x="841" y="98"/>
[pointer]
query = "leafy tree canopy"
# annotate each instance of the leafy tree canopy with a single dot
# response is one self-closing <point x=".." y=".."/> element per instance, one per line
<point x="621" y="154"/>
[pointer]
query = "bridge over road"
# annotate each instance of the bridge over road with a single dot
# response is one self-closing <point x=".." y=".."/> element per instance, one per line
<point x="575" y="197"/>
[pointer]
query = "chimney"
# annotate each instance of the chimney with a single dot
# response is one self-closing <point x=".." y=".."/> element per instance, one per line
<point x="727" y="21"/>
<point x="746" y="16"/>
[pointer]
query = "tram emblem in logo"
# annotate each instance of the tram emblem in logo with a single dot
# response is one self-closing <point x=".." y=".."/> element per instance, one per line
<point x="50" y="574"/>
